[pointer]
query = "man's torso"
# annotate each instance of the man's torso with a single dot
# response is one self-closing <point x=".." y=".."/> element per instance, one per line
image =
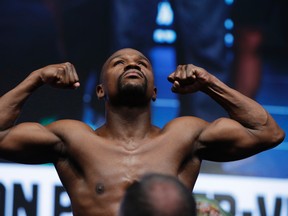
<point x="96" y="170"/>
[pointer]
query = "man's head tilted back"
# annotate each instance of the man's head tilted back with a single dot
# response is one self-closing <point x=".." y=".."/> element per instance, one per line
<point x="127" y="79"/>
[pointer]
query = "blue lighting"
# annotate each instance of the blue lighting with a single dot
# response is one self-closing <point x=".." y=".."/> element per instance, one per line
<point x="229" y="24"/>
<point x="277" y="110"/>
<point x="229" y="2"/>
<point x="229" y="39"/>
<point x="164" y="36"/>
<point x="171" y="103"/>
<point x="165" y="14"/>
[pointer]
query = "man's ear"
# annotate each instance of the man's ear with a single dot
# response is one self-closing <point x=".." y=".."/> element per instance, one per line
<point x="154" y="94"/>
<point x="100" y="92"/>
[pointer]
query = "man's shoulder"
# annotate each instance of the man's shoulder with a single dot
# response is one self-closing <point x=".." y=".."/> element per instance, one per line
<point x="69" y="124"/>
<point x="186" y="121"/>
<point x="187" y="127"/>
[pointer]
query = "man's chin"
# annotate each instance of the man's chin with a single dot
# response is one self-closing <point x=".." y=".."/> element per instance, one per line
<point x="133" y="88"/>
<point x="132" y="96"/>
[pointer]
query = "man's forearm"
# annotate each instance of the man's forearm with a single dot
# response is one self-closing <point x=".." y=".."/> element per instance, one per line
<point x="11" y="103"/>
<point x="240" y="108"/>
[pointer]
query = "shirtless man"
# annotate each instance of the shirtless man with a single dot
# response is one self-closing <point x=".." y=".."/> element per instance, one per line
<point x="96" y="167"/>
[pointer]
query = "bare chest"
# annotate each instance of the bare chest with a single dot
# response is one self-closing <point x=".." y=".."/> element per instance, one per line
<point x="102" y="172"/>
<point x="128" y="164"/>
<point x="116" y="162"/>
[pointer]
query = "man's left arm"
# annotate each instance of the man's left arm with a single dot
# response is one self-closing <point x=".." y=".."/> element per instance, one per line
<point x="250" y="129"/>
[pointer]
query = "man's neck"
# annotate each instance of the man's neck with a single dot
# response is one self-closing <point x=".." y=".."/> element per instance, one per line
<point x="128" y="122"/>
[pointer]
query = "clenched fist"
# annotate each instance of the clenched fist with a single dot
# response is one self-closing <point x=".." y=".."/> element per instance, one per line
<point x="188" y="79"/>
<point x="60" y="75"/>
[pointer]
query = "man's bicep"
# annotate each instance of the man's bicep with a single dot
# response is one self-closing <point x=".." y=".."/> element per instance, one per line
<point x="28" y="143"/>
<point x="226" y="140"/>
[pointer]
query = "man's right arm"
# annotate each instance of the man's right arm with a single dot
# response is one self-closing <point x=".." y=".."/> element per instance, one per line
<point x="27" y="137"/>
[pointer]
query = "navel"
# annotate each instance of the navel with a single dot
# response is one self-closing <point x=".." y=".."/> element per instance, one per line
<point x="100" y="189"/>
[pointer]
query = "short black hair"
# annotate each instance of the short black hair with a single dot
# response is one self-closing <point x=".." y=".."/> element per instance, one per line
<point x="140" y="201"/>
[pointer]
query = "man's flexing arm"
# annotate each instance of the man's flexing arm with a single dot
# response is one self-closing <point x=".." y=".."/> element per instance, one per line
<point x="31" y="142"/>
<point x="250" y="128"/>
